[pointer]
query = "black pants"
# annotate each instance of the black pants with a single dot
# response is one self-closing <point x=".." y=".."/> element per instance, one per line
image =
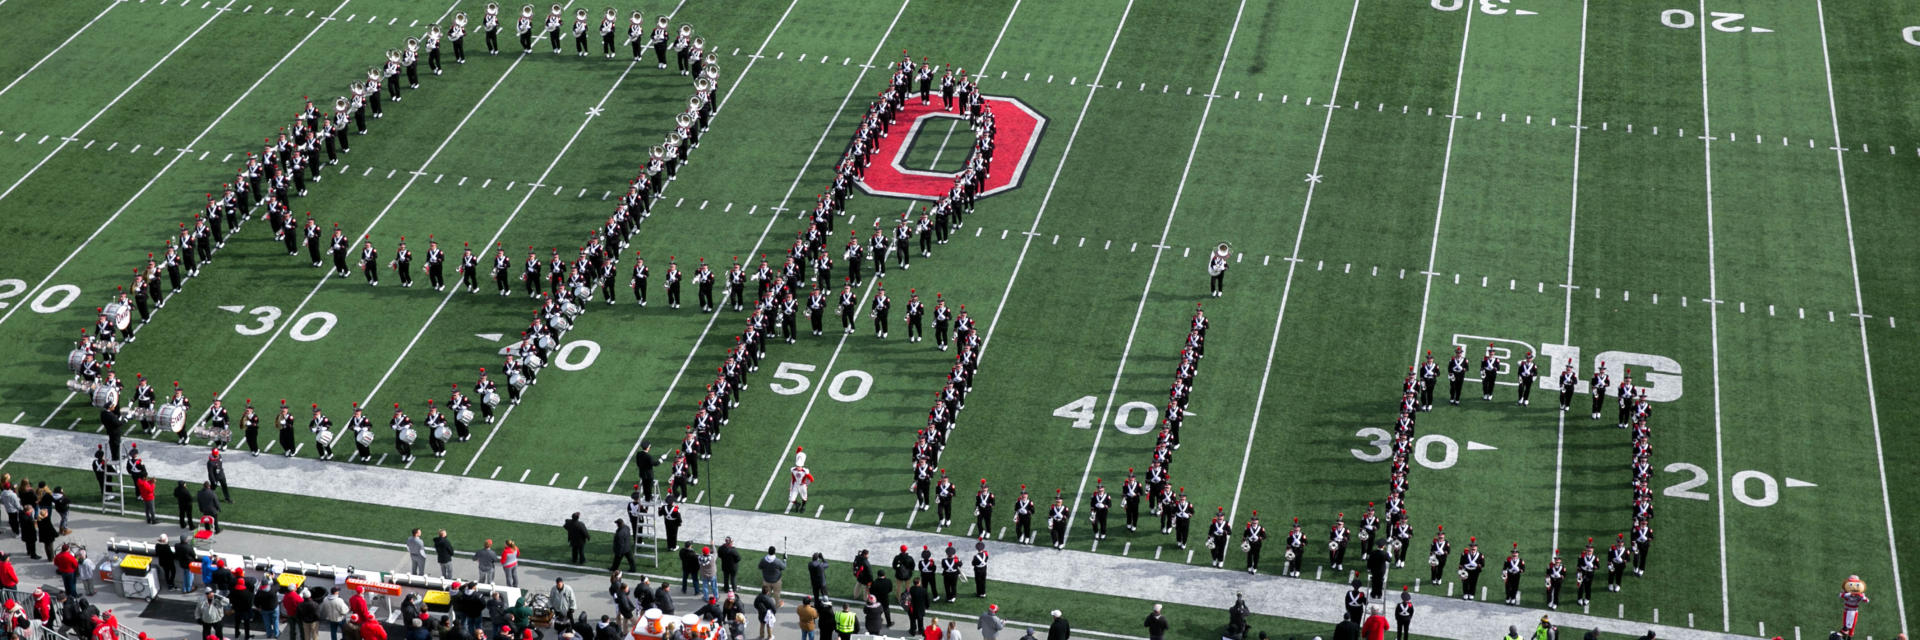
<point x="914" y="329"/>
<point x="1217" y="284"/>
<point x="460" y="50"/>
<point x="1512" y="587"/>
<point x="1584" y="590"/>
<point x="880" y="324"/>
<point x="616" y="561"/>
<point x="435" y="278"/>
<point x="493" y="42"/>
<point x="1426" y="393"/>
<point x="1526" y="389"/>
<point x="1453" y="388"/>
<point x="1400" y="627"/>
<point x="1486" y="384"/>
<point x="673" y="295"/>
<point x="706" y="298"/>
<point x="579" y="553"/>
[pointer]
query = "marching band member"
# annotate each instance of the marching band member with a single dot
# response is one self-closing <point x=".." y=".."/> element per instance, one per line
<point x="636" y="34"/>
<point x="433" y="47"/>
<point x="1437" y="553"/>
<point x="485" y="390"/>
<point x="458" y="36"/>
<point x="435" y="260"/>
<point x="1251" y="539"/>
<point x="552" y="32"/>
<point x="524" y="27"/>
<point x="580" y="33"/>
<point x="607" y="26"/>
<point x="437" y="432"/>
<point x="322" y="428"/>
<point x="799" y="479"/>
<point x="462" y="409"/>
<point x="403" y="263"/>
<point x="1489" y="373"/>
<point x="490" y="24"/>
<point x="283" y="423"/>
<point x="1511" y="571"/>
<point x="362" y="430"/>
<point x="403" y="433"/>
<point x="1219" y="533"/>
<point x="370" y="263"/>
<point x="1471" y="564"/>
<point x="250" y="429"/>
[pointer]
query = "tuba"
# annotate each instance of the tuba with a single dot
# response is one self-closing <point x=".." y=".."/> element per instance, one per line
<point x="526" y="11"/>
<point x="493" y="9"/>
<point x="612" y="15"/>
<point x="460" y="19"/>
<point x="340" y="104"/>
<point x="413" y="45"/>
<point x="703" y="85"/>
<point x="393" y="55"/>
<point x="695" y="103"/>
<point x="580" y="15"/>
<point x="684" y="119"/>
<point x="1221" y="252"/>
<point x="373" y="78"/>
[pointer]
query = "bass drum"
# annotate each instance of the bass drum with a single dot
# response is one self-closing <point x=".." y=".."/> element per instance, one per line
<point x="75" y="358"/>
<point x="105" y="395"/>
<point x="171" y="417"/>
<point x="119" y="314"/>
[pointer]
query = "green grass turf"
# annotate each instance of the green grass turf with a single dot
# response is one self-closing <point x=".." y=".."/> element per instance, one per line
<point x="366" y="522"/>
<point x="1335" y="329"/>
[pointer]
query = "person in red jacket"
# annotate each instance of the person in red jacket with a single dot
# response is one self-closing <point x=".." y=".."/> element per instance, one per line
<point x="358" y="605"/>
<point x="370" y="628"/>
<point x="68" y="567"/>
<point x="42" y="604"/>
<point x="9" y="580"/>
<point x="1375" y="628"/>
<point x="145" y="489"/>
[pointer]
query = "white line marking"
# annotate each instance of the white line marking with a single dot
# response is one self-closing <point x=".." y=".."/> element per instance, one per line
<point x="1866" y="356"/>
<point x="815" y="396"/>
<point x="1446" y="173"/>
<point x="524" y="473"/>
<point x="376" y="222"/>
<point x="1141" y="309"/>
<point x="163" y="170"/>
<point x="1713" y="311"/>
<point x="63" y="45"/>
<point x="1573" y="225"/>
<point x="770" y="220"/>
<point x="1293" y="263"/>
<point x="116" y="100"/>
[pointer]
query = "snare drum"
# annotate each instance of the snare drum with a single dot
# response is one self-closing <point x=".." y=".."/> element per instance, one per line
<point x="517" y="381"/>
<point x="407" y="435"/>
<point x="465" y="416"/>
<point x="441" y="433"/>
<point x="364" y="438"/>
<point x="492" y="399"/>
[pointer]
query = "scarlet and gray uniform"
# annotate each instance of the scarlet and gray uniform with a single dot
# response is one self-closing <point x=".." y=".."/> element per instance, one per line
<point x="798" y="479"/>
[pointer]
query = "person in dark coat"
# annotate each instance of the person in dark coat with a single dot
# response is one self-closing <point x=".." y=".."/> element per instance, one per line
<point x="876" y="611"/>
<point x="622" y="545"/>
<point x="163" y="559"/>
<point x="1156" y="624"/>
<point x="241" y="599"/>
<point x="1346" y="630"/>
<point x="689" y="567"/>
<point x="210" y="504"/>
<point x="882" y="590"/>
<point x="443" y="554"/>
<point x="184" y="557"/>
<point x="577" y="538"/>
<point x="817" y="577"/>
<point x="917" y="601"/>
<point x="184" y="499"/>
<point x="729" y="565"/>
<point x="1059" y="629"/>
<point x="663" y="598"/>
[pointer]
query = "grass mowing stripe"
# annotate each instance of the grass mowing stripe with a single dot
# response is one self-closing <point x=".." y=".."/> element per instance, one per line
<point x="282" y="327"/>
<point x="496" y="238"/>
<point x="1033" y="230"/>
<point x="63" y="45"/>
<point x="1446" y="172"/>
<point x="1159" y="248"/>
<point x="1573" y="225"/>
<point x="875" y="281"/>
<point x="1713" y="313"/>
<point x="771" y="219"/>
<point x="1293" y="263"/>
<point x="1860" y="313"/>
<point x="103" y="110"/>
<point x="170" y="163"/>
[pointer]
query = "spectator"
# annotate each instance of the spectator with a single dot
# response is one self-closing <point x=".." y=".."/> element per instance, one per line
<point x="443" y="554"/>
<point x="808" y="618"/>
<point x="144" y="487"/>
<point x="308" y="613"/>
<point x="333" y="610"/>
<point x="1156" y="624"/>
<point x="209" y="613"/>
<point x="577" y="538"/>
<point x="183" y="557"/>
<point x="183" y="499"/>
<point x="30" y="532"/>
<point x="266" y="601"/>
<point x="990" y="623"/>
<point x="9" y="579"/>
<point x="163" y="562"/>
<point x="68" y="568"/>
<point x="932" y="631"/>
<point x="1237" y="618"/>
<point x="875" y="610"/>
<point x="561" y="600"/>
<point x="242" y="600"/>
<point x="1375" y="627"/>
<point x="1059" y="630"/>
<point x="709" y="584"/>
<point x="1546" y="630"/>
<point x="772" y="570"/>
<point x="729" y="564"/>
<point x="372" y="630"/>
<point x="290" y="612"/>
<point x="689" y="567"/>
<point x="1513" y="633"/>
<point x="510" y="564"/>
<point x="817" y="576"/>
<point x="10" y="501"/>
<point x="627" y="607"/>
<point x="209" y="504"/>
<point x="843" y="622"/>
<point x="764" y="607"/>
<point x="622" y="545"/>
<point x="952" y="632"/>
<point x="1348" y="629"/>
<point x="417" y="553"/>
<point x="663" y="599"/>
<point x="47" y="532"/>
<point x="485" y="560"/>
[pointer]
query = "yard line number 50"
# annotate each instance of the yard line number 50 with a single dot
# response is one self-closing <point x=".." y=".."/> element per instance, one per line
<point x="850" y="385"/>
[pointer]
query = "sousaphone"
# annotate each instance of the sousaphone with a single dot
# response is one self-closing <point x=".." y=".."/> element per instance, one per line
<point x="580" y="15"/>
<point x="684" y="119"/>
<point x="433" y="30"/>
<point x="556" y="10"/>
<point x="460" y="19"/>
<point x="340" y="104"/>
<point x="493" y="9"/>
<point x="702" y="85"/>
<point x="695" y="103"/>
<point x="613" y="15"/>
<point x="393" y="55"/>
<point x="1222" y="251"/>
<point x="373" y="78"/>
<point x="413" y="45"/>
<point x="526" y="11"/>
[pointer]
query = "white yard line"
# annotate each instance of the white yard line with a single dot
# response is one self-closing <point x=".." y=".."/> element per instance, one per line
<point x="865" y="294"/>
<point x="1573" y="225"/>
<point x="771" y="219"/>
<point x="170" y="163"/>
<point x="63" y="45"/>
<point x="490" y="242"/>
<point x="1033" y="229"/>
<point x="1713" y="312"/>
<point x="1446" y="172"/>
<point x="116" y="100"/>
<point x="376" y="222"/>
<point x="1860" y="312"/>
<point x="1100" y="428"/>
<point x="1293" y="263"/>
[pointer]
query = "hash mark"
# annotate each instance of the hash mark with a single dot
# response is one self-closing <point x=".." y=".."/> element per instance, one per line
<point x="524" y="473"/>
<point x="496" y="472"/>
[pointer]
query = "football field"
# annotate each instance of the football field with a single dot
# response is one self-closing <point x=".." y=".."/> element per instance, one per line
<point x="1714" y="195"/>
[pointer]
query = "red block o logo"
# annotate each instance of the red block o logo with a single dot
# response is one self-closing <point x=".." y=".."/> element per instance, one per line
<point x="1017" y="134"/>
